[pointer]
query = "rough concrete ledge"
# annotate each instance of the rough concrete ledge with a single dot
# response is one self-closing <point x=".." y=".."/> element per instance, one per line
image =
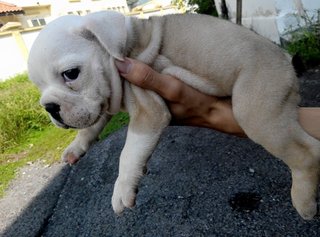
<point x="199" y="183"/>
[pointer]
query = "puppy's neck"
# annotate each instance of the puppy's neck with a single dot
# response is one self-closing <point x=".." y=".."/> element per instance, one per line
<point x="144" y="38"/>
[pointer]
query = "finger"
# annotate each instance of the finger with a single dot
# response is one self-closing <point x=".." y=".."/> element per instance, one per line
<point x="145" y="77"/>
<point x="137" y="72"/>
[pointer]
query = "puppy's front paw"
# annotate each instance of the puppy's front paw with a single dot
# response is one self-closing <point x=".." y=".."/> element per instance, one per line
<point x="124" y="196"/>
<point x="73" y="153"/>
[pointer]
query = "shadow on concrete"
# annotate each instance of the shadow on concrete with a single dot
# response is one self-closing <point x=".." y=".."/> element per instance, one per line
<point x="37" y="214"/>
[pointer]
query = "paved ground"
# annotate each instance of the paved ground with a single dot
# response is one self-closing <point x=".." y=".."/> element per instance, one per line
<point x="200" y="183"/>
<point x="28" y="185"/>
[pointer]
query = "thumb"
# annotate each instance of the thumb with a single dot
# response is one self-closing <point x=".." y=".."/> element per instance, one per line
<point x="145" y="77"/>
<point x="138" y="73"/>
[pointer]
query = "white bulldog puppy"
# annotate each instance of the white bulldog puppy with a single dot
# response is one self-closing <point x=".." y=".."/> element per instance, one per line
<point x="73" y="63"/>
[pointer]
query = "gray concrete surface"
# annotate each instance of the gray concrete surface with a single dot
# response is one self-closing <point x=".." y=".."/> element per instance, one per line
<point x="199" y="183"/>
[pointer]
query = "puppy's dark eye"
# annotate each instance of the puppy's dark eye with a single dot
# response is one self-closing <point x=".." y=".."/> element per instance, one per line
<point x="71" y="74"/>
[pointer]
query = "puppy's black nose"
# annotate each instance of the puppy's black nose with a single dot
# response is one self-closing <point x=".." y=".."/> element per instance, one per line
<point x="54" y="110"/>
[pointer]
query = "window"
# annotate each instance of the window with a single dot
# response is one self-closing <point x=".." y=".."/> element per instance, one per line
<point x="78" y="12"/>
<point x="35" y="22"/>
<point x="38" y="22"/>
<point x="42" y="22"/>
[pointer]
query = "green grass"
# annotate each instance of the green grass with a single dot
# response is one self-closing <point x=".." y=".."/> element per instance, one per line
<point x="46" y="145"/>
<point x="118" y="121"/>
<point x="20" y="111"/>
<point x="26" y="133"/>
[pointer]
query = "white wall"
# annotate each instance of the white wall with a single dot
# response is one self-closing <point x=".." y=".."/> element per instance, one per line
<point x="29" y="37"/>
<point x="148" y="14"/>
<point x="63" y="7"/>
<point x="271" y="18"/>
<point x="11" y="58"/>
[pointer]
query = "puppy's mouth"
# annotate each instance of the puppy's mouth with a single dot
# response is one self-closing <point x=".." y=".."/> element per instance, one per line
<point x="67" y="126"/>
<point x="62" y="124"/>
<point x="59" y="121"/>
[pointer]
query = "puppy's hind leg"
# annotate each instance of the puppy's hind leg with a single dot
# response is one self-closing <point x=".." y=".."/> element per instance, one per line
<point x="269" y="117"/>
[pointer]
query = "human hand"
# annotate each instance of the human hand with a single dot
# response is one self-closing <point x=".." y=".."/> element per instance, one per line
<point x="187" y="105"/>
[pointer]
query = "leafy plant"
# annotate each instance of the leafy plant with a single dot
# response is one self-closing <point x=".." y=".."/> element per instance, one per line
<point x="200" y="6"/>
<point x="305" y="41"/>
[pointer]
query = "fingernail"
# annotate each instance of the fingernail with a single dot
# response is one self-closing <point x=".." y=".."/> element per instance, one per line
<point x="124" y="67"/>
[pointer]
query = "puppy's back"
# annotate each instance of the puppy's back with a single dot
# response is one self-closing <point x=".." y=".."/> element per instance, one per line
<point x="217" y="49"/>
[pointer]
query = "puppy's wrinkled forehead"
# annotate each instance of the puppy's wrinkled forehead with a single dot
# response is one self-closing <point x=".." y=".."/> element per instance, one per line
<point x="57" y="37"/>
<point x="58" y="47"/>
<point x="71" y="42"/>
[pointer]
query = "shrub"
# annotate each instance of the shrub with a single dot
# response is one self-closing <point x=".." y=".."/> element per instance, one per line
<point x="20" y="111"/>
<point x="305" y="42"/>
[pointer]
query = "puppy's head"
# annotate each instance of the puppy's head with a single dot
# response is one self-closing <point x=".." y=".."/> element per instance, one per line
<point x="72" y="63"/>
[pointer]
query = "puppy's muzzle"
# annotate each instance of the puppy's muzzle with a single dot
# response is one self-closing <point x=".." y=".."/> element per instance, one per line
<point x="54" y="110"/>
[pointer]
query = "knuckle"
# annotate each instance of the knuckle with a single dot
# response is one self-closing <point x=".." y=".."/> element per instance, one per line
<point x="178" y="111"/>
<point x="174" y="92"/>
<point x="143" y="75"/>
<point x="147" y="77"/>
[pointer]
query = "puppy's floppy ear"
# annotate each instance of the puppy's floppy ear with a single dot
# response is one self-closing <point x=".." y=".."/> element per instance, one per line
<point x="108" y="27"/>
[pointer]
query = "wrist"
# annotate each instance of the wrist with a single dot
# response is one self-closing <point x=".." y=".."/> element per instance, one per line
<point x="221" y="118"/>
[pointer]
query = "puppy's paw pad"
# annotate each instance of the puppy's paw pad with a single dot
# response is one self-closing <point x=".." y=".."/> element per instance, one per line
<point x="124" y="196"/>
<point x="72" y="153"/>
<point x="71" y="159"/>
